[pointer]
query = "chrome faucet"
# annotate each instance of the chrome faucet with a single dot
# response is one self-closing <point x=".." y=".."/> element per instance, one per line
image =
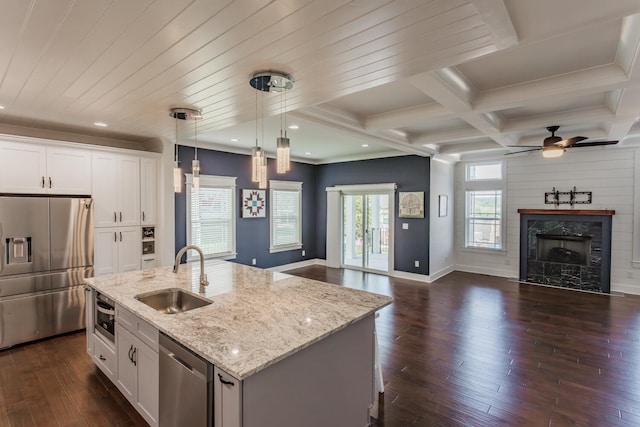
<point x="203" y="277"/>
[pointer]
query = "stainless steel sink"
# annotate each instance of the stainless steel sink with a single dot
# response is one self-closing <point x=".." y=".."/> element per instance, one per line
<point x="172" y="300"/>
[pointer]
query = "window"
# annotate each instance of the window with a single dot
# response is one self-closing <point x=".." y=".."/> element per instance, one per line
<point x="484" y="208"/>
<point x="211" y="216"/>
<point x="285" y="199"/>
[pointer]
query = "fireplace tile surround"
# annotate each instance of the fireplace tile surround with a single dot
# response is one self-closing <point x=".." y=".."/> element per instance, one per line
<point x="566" y="248"/>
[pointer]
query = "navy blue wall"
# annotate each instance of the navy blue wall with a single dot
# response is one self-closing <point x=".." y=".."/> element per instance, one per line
<point x="410" y="173"/>
<point x="252" y="234"/>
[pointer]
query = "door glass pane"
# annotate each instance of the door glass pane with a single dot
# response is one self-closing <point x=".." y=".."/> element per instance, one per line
<point x="353" y="236"/>
<point x="377" y="232"/>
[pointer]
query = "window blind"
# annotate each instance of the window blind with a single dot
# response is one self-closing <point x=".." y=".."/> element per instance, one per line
<point x="212" y="219"/>
<point x="285" y="219"/>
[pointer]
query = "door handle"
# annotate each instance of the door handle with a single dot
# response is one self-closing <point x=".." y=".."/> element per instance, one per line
<point x="143" y="215"/>
<point x="120" y="216"/>
<point x="130" y="353"/>
<point x="115" y="236"/>
<point x="115" y="217"/>
<point x="135" y="356"/>
<point x="102" y="358"/>
<point x="43" y="182"/>
<point x="225" y="382"/>
<point x="121" y="236"/>
<point x="50" y="183"/>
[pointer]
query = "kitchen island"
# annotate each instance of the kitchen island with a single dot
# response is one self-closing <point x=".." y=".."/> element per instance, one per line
<point x="297" y="351"/>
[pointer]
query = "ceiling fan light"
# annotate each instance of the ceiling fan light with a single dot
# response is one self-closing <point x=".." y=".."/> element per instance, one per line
<point x="551" y="152"/>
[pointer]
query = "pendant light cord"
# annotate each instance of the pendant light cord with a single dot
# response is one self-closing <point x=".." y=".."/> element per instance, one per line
<point x="195" y="129"/>
<point x="175" y="155"/>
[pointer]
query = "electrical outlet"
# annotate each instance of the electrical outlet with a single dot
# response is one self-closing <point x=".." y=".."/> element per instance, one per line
<point x="417" y="263"/>
<point x="253" y="261"/>
<point x="405" y="225"/>
<point x="303" y="252"/>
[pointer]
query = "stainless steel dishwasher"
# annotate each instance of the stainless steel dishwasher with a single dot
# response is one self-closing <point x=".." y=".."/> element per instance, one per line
<point x="186" y="387"/>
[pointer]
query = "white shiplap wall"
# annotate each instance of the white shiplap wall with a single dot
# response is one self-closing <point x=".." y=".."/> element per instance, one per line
<point x="609" y="173"/>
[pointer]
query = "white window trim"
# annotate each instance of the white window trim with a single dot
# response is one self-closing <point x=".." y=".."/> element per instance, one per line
<point x="486" y="185"/>
<point x="284" y="186"/>
<point x="219" y="182"/>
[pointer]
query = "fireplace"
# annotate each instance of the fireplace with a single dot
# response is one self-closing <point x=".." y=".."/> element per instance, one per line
<point x="566" y="248"/>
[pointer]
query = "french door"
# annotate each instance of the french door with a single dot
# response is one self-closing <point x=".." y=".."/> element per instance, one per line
<point x="366" y="231"/>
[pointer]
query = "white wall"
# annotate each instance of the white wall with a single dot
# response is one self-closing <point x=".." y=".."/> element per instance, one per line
<point x="441" y="248"/>
<point x="609" y="173"/>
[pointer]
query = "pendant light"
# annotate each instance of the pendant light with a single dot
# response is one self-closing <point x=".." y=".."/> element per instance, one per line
<point x="186" y="114"/>
<point x="283" y="162"/>
<point x="177" y="172"/>
<point x="270" y="81"/>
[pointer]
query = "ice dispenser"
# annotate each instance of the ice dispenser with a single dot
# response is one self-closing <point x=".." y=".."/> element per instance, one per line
<point x="18" y="250"/>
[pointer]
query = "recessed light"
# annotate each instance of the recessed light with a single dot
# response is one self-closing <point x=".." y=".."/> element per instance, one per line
<point x="234" y="139"/>
<point x="308" y="153"/>
<point x="294" y="127"/>
<point x="1" y="107"/>
<point x="365" y="145"/>
<point x="100" y="124"/>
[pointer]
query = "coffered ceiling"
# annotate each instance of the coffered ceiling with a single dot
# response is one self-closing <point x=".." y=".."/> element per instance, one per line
<point x="452" y="79"/>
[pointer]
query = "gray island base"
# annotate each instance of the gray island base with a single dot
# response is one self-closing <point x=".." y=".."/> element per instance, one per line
<point x="282" y="350"/>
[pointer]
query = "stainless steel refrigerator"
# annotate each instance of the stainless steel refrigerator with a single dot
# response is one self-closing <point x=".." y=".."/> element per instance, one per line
<point x="47" y="251"/>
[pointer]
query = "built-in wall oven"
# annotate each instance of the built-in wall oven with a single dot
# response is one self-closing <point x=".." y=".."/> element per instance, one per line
<point x="105" y="317"/>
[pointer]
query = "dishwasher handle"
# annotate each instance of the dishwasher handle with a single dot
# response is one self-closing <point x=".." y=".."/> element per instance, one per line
<point x="180" y="361"/>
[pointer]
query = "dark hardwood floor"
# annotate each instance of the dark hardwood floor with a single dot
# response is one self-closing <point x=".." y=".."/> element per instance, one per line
<point x="467" y="350"/>
<point x="474" y="350"/>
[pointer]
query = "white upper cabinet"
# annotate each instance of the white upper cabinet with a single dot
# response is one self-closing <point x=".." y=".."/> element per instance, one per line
<point x="148" y="190"/>
<point x="36" y="169"/>
<point x="116" y="190"/>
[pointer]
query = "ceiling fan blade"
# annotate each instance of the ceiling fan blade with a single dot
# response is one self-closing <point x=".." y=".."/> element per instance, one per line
<point x="593" y="144"/>
<point x="571" y="141"/>
<point x="523" y="151"/>
<point x="524" y="146"/>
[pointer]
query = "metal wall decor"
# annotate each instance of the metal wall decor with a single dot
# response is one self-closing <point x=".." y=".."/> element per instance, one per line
<point x="571" y="197"/>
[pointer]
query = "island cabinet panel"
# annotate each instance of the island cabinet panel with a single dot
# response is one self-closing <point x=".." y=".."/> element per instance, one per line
<point x="329" y="383"/>
<point x="138" y="364"/>
<point x="227" y="399"/>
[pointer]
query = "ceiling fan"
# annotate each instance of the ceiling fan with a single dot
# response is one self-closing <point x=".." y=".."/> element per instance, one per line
<point x="554" y="146"/>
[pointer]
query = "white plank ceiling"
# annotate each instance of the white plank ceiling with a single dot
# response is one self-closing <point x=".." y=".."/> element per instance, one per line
<point x="448" y="78"/>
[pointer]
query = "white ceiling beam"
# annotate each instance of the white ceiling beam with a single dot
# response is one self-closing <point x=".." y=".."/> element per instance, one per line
<point x="407" y="116"/>
<point x="583" y="82"/>
<point x="563" y="118"/>
<point x="470" y="147"/>
<point x="448" y="135"/>
<point x="626" y="102"/>
<point x="495" y="15"/>
<point x="456" y="100"/>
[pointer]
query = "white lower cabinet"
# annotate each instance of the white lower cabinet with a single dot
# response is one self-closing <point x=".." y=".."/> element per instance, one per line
<point x="138" y="369"/>
<point x="227" y="399"/>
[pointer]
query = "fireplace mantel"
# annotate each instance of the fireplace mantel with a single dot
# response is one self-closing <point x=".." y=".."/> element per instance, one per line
<point x="566" y="212"/>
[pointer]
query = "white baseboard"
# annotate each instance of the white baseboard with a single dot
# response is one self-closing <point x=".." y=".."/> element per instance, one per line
<point x="441" y="273"/>
<point x="485" y="270"/>
<point x="299" y="264"/>
<point x="410" y="276"/>
<point x="627" y="289"/>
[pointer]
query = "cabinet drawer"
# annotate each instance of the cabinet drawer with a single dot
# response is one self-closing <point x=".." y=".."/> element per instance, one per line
<point x="104" y="356"/>
<point x="138" y="327"/>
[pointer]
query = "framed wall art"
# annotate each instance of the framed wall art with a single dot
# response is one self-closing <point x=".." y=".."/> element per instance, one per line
<point x="254" y="203"/>
<point x="411" y="204"/>
<point x="443" y="208"/>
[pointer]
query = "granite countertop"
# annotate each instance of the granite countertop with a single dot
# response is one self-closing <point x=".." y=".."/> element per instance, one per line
<point x="257" y="318"/>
